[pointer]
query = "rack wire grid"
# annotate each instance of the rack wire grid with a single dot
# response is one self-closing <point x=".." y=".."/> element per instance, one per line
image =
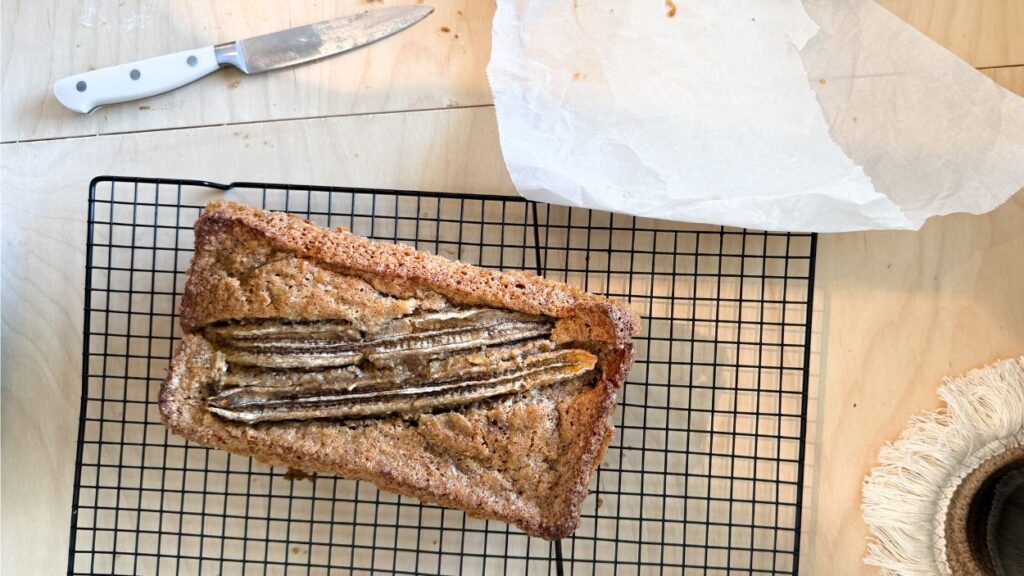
<point x="704" y="475"/>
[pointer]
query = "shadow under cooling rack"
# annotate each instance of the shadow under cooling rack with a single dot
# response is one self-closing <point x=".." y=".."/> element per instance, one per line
<point x="704" y="475"/>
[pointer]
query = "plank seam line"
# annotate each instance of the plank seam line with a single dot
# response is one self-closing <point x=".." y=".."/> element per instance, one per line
<point x="246" y="123"/>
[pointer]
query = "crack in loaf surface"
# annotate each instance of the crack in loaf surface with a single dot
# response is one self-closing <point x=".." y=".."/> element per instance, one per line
<point x="278" y="369"/>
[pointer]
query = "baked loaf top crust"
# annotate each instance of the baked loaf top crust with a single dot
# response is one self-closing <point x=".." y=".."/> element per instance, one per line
<point x="524" y="456"/>
<point x="298" y="269"/>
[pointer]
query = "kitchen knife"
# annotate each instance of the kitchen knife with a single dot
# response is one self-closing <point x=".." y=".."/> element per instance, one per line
<point x="87" y="91"/>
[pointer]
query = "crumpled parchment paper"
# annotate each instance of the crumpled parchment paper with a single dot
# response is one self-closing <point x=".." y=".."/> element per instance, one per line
<point x="813" y="115"/>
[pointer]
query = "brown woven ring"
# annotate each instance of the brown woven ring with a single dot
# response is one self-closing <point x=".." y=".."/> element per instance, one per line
<point x="967" y="549"/>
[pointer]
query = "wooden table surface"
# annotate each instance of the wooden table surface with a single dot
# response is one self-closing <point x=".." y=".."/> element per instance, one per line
<point x="894" y="311"/>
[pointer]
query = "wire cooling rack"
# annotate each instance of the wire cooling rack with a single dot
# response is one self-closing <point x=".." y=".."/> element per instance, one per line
<point x="704" y="475"/>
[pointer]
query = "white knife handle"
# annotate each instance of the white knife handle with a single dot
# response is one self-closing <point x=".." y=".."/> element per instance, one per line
<point x="87" y="91"/>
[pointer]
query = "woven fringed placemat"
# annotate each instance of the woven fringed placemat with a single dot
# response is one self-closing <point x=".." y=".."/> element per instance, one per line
<point x="933" y="504"/>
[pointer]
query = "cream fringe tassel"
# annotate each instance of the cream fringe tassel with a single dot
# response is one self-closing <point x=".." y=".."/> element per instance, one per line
<point x="907" y="495"/>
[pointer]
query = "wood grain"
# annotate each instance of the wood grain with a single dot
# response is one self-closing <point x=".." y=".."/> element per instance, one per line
<point x="438" y="63"/>
<point x="44" y="197"/>
<point x="986" y="34"/>
<point x="424" y="67"/>
<point x="894" y="311"/>
<point x="1011" y="78"/>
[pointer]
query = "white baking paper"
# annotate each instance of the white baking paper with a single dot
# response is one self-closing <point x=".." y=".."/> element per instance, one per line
<point x="819" y="115"/>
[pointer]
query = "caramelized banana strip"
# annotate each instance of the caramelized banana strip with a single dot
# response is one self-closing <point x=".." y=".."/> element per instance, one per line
<point x="388" y="351"/>
<point x="264" y="404"/>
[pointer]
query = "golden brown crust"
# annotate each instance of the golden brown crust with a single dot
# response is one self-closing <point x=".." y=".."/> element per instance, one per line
<point x="254" y="237"/>
<point x="525" y="461"/>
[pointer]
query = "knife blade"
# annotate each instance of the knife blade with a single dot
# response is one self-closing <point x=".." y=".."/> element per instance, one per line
<point x="88" y="91"/>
